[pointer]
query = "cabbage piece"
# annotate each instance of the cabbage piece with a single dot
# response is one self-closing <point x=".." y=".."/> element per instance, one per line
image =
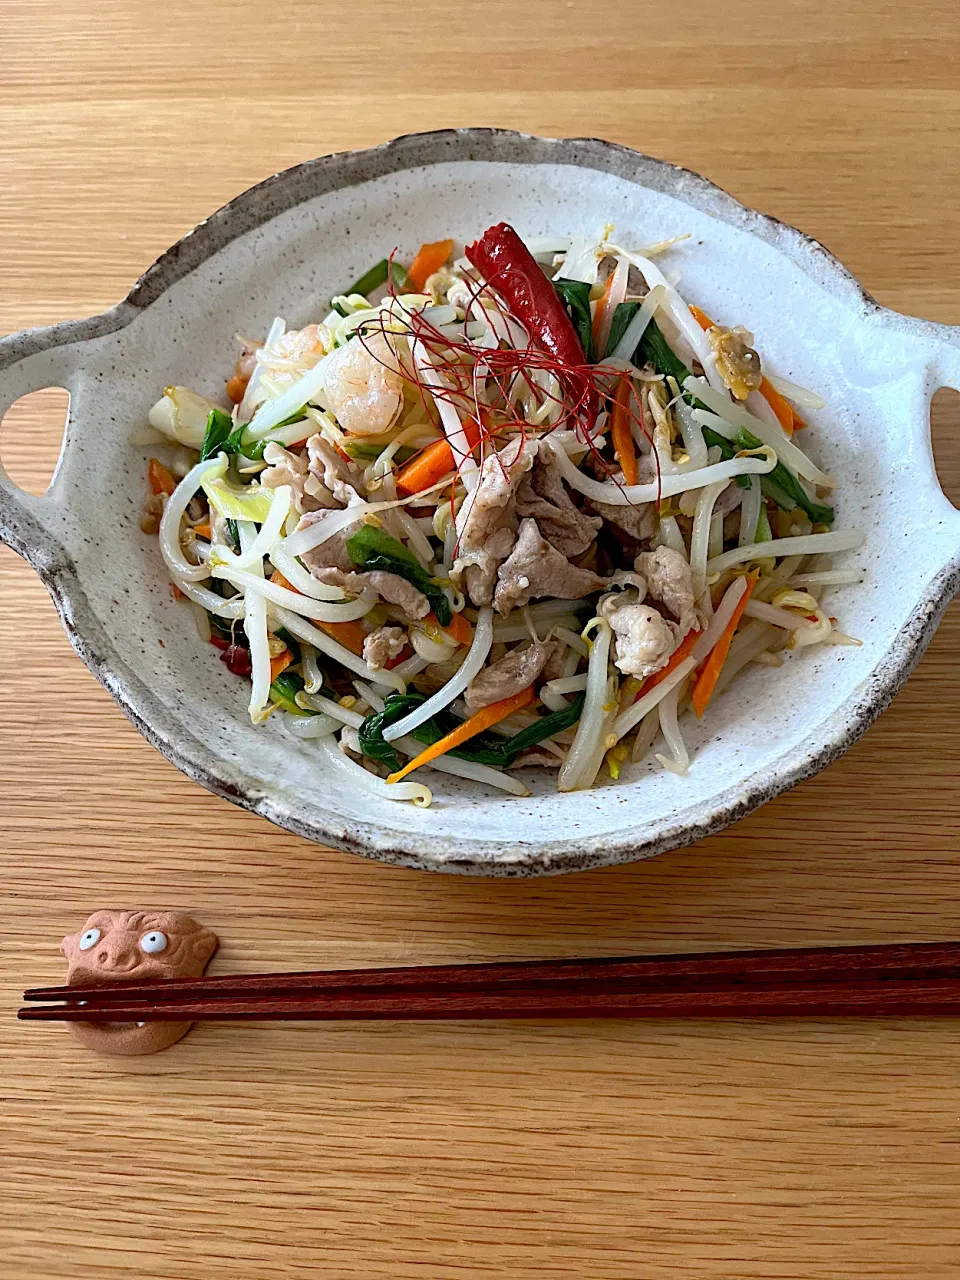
<point x="249" y="503"/>
<point x="182" y="415"/>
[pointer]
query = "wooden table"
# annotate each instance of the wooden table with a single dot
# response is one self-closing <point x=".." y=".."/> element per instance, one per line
<point x="588" y="1151"/>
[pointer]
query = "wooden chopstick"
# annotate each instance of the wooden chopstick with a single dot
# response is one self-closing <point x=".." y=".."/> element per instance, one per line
<point x="828" y="999"/>
<point x="870" y="979"/>
<point x="877" y="962"/>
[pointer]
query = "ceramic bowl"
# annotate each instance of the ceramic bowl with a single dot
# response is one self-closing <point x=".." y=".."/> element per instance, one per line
<point x="281" y="249"/>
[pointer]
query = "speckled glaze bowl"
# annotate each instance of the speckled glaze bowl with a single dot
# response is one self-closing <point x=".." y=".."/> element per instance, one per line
<point x="281" y="249"/>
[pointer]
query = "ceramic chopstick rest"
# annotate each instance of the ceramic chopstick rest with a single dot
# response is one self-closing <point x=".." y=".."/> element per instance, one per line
<point x="135" y="946"/>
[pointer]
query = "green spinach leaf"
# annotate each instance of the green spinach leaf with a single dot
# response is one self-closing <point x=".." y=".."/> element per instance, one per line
<point x="575" y="295"/>
<point x="371" y="548"/>
<point x="284" y="690"/>
<point x="219" y="427"/>
<point x="483" y="748"/>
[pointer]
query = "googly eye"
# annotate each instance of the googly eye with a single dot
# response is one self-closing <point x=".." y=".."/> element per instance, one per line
<point x="151" y="943"/>
<point x="91" y="937"/>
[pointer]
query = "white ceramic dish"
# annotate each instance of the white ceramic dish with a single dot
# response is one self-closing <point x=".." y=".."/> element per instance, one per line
<point x="283" y="248"/>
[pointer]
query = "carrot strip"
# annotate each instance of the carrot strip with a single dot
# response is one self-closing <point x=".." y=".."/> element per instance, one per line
<point x="710" y="671"/>
<point x="600" y="311"/>
<point x="701" y="317"/>
<point x="203" y="531"/>
<point x="430" y="259"/>
<point x="679" y="654"/>
<point x="426" y="468"/>
<point x="237" y="386"/>
<point x="431" y="464"/>
<point x="483" y="719"/>
<point x="780" y="406"/>
<point x="350" y="634"/>
<point x="159" y="477"/>
<point x="280" y="663"/>
<point x="620" y="433"/>
<point x="459" y="628"/>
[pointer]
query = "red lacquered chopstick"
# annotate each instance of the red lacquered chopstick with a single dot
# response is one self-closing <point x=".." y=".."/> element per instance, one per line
<point x="877" y="979"/>
<point x="828" y="999"/>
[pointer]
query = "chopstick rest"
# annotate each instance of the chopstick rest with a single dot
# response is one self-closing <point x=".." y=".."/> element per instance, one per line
<point x="135" y="946"/>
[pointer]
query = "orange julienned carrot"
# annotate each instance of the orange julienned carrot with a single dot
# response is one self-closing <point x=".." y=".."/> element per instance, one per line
<point x="600" y="312"/>
<point x="681" y="652"/>
<point x="237" y="386"/>
<point x="426" y="468"/>
<point x="459" y="628"/>
<point x="430" y="258"/>
<point x="431" y="464"/>
<point x="483" y="719"/>
<point x="779" y="404"/>
<point x="620" y="432"/>
<point x="710" y="671"/>
<point x="701" y="317"/>
<point x="280" y="663"/>
<point x="203" y="530"/>
<point x="350" y="634"/>
<point x="160" y="478"/>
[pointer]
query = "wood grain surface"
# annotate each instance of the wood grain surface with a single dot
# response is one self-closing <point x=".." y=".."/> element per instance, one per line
<point x="589" y="1150"/>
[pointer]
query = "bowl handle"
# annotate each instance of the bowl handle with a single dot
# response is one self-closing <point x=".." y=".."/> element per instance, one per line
<point x="946" y="369"/>
<point x="30" y="361"/>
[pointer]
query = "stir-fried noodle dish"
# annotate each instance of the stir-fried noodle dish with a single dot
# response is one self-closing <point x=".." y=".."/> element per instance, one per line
<point x="523" y="507"/>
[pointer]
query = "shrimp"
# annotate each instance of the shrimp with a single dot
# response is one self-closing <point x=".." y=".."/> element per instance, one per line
<point x="276" y="365"/>
<point x="363" y="386"/>
<point x="298" y="349"/>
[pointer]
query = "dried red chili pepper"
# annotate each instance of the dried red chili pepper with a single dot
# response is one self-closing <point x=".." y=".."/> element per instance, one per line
<point x="511" y="270"/>
<point x="235" y="656"/>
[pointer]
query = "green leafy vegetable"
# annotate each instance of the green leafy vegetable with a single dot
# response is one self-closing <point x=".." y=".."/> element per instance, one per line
<point x="727" y="450"/>
<point x="219" y="427"/>
<point x="653" y="348"/>
<point x="784" y="488"/>
<point x="377" y="275"/>
<point x="239" y="502"/>
<point x="764" y="532"/>
<point x="232" y="442"/>
<point x="545" y="727"/>
<point x="779" y="484"/>
<point x="283" y="692"/>
<point x="575" y="295"/>
<point x="656" y="350"/>
<point x="623" y="314"/>
<point x="484" y="748"/>
<point x="360" y="451"/>
<point x="371" y="548"/>
<point x="370" y="733"/>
